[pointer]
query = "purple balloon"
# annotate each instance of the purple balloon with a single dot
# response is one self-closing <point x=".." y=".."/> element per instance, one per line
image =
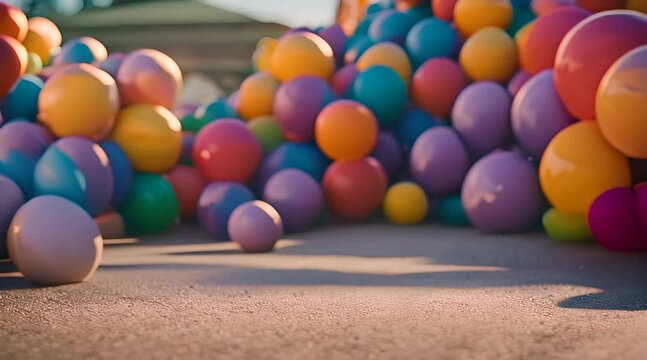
<point x="336" y="38"/>
<point x="11" y="199"/>
<point x="112" y="63"/>
<point x="256" y="226"/>
<point x="185" y="109"/>
<point x="481" y="115"/>
<point x="501" y="193"/>
<point x="614" y="221"/>
<point x="641" y="202"/>
<point x="517" y="81"/>
<point x="439" y="161"/>
<point x="296" y="196"/>
<point x="388" y="152"/>
<point x="216" y="204"/>
<point x="297" y="104"/>
<point x="343" y="79"/>
<point x="186" y="157"/>
<point x="538" y="114"/>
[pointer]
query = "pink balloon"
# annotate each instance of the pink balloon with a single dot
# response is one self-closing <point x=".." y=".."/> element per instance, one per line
<point x="641" y="202"/>
<point x="614" y="222"/>
<point x="343" y="79"/>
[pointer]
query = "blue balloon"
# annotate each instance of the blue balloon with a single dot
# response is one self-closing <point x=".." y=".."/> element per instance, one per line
<point x="290" y="155"/>
<point x="75" y="51"/>
<point x="390" y="25"/>
<point x="431" y="38"/>
<point x="383" y="91"/>
<point x="56" y="174"/>
<point x="364" y="25"/>
<point x="356" y="46"/>
<point x="22" y="100"/>
<point x="122" y="172"/>
<point x="217" y="109"/>
<point x="19" y="167"/>
<point x="411" y="125"/>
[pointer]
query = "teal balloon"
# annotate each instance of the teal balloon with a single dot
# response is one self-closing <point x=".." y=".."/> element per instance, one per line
<point x="520" y="17"/>
<point x="431" y="38"/>
<point x="383" y="91"/>
<point x="151" y="205"/>
<point x="215" y="110"/>
<point x="356" y="46"/>
<point x="19" y="167"/>
<point x="450" y="211"/>
<point x="56" y="174"/>
<point x="22" y="100"/>
<point x="419" y="13"/>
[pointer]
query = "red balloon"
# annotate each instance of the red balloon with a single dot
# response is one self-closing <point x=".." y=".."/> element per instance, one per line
<point x="354" y="189"/>
<point x="13" y="62"/>
<point x="226" y="150"/>
<point x="600" y="5"/>
<point x="443" y="9"/>
<point x="545" y="36"/>
<point x="188" y="183"/>
<point x="544" y="7"/>
<point x="587" y="52"/>
<point x="436" y="85"/>
<point x="13" y="22"/>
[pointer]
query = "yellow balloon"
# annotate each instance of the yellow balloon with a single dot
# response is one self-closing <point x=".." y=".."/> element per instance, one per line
<point x="390" y="55"/>
<point x="302" y="53"/>
<point x="150" y="135"/>
<point x="38" y="44"/>
<point x="256" y="95"/>
<point x="471" y="16"/>
<point x="405" y="203"/>
<point x="489" y="55"/>
<point x="34" y="64"/>
<point x="621" y="104"/>
<point x="262" y="56"/>
<point x="637" y="5"/>
<point x="566" y="228"/>
<point x="578" y="165"/>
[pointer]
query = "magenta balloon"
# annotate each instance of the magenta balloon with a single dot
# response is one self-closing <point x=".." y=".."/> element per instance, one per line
<point x="335" y="37"/>
<point x="388" y="152"/>
<point x="256" y="226"/>
<point x="538" y="114"/>
<point x="501" y="193"/>
<point x="11" y="199"/>
<point x="641" y="202"/>
<point x="481" y="115"/>
<point x="296" y="196"/>
<point x="297" y="104"/>
<point x="614" y="221"/>
<point x="439" y="161"/>
<point x="517" y="81"/>
<point x="343" y="79"/>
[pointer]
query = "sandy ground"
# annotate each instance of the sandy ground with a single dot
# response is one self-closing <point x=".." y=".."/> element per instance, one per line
<point x="372" y="291"/>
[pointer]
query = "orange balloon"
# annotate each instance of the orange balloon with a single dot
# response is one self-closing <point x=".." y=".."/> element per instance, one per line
<point x="256" y="95"/>
<point x="38" y="44"/>
<point x="490" y="54"/>
<point x="47" y="29"/>
<point x="470" y="16"/>
<point x="346" y="130"/>
<point x="302" y="53"/>
<point x="13" y="63"/>
<point x="637" y="5"/>
<point x="388" y="54"/>
<point x="262" y="56"/>
<point x="13" y="22"/>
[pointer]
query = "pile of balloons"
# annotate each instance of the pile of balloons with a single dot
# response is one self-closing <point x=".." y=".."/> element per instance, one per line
<point x="483" y="113"/>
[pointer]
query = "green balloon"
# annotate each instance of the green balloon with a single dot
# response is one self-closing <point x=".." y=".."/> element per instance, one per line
<point x="450" y="211"/>
<point x="150" y="206"/>
<point x="191" y="124"/>
<point x="567" y="228"/>
<point x="267" y="131"/>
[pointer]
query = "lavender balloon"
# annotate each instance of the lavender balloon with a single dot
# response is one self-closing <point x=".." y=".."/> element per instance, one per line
<point x="335" y="37"/>
<point x="343" y="79"/>
<point x="256" y="226"/>
<point x="501" y="193"/>
<point x="481" y="115"/>
<point x="217" y="201"/>
<point x="439" y="161"/>
<point x="296" y="196"/>
<point x="11" y="199"/>
<point x="388" y="152"/>
<point x="297" y="104"/>
<point x="517" y="81"/>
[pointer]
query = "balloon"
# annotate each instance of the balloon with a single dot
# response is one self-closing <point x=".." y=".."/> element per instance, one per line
<point x="335" y="37"/>
<point x="13" y="22"/>
<point x="111" y="225"/>
<point x="637" y="5"/>
<point x="151" y="205"/>
<point x="21" y="145"/>
<point x="12" y="199"/>
<point x="188" y="139"/>
<point x="13" y="62"/>
<point x="436" y="85"/>
<point x="538" y="114"/>
<point x="354" y="189"/>
<point x="381" y="90"/>
<point x="490" y="54"/>
<point x="297" y="104"/>
<point x="267" y="132"/>
<point x="53" y="241"/>
<point x="470" y="16"/>
<point x="305" y="157"/>
<point x="262" y="56"/>
<point x="501" y="193"/>
<point x="34" y="64"/>
<point x="567" y="228"/>
<point x="388" y="152"/>
<point x="544" y="7"/>
<point x="355" y="48"/>
<point x="38" y="44"/>
<point x="150" y="135"/>
<point x="641" y="202"/>
<point x="600" y="5"/>
<point x="405" y="203"/>
<point x="256" y="226"/>
<point x="346" y="130"/>
<point x="545" y="36"/>
<point x="256" y="95"/>
<point x="217" y="201"/>
<point x="296" y="196"/>
<point x="122" y="172"/>
<point x="112" y="64"/>
<point x="621" y="104"/>
<point x="608" y="35"/>
<point x="226" y="150"/>
<point x="431" y="38"/>
<point x="81" y="50"/>
<point x="388" y="54"/>
<point x="521" y="16"/>
<point x="578" y="165"/>
<point x="149" y="77"/>
<point x="450" y="211"/>
<point x="439" y="161"/>
<point x="481" y="116"/>
<point x="390" y="25"/>
<point x="614" y="222"/>
<point x="444" y="9"/>
<point x="188" y="183"/>
<point x="79" y="100"/>
<point x="521" y="39"/>
<point x="301" y="53"/>
<point x="48" y="30"/>
<point x="22" y="100"/>
<point x="343" y="79"/>
<point x="411" y="125"/>
<point x="217" y="109"/>
<point x="517" y="82"/>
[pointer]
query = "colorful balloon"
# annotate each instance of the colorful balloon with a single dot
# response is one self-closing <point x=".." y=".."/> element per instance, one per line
<point x="81" y="50"/>
<point x="12" y="200"/>
<point x="13" y="22"/>
<point x="151" y="205"/>
<point x="470" y="16"/>
<point x="122" y="172"/>
<point x="387" y="54"/>
<point x="444" y="9"/>
<point x="346" y="130"/>
<point x="112" y="64"/>
<point x="600" y="5"/>
<point x="431" y="38"/>
<point x="450" y="211"/>
<point x="381" y="90"/>
<point x="490" y="54"/>
<point x="566" y="228"/>
<point x="296" y="196"/>
<point x="388" y="152"/>
<point x="614" y="222"/>
<point x="256" y="226"/>
<point x="436" y="85"/>
<point x="188" y="184"/>
<point x="301" y="53"/>
<point x="289" y="155"/>
<point x="217" y="201"/>
<point x="38" y="44"/>
<point x="267" y="131"/>
<point x="411" y="125"/>
<point x="355" y="48"/>
<point x="405" y="203"/>
<point x="336" y="38"/>
<point x="13" y="62"/>
<point x="390" y="25"/>
<point x="343" y="79"/>
<point x="262" y="56"/>
<point x="48" y="30"/>
<point x="111" y="225"/>
<point x="641" y="201"/>
<point x="256" y="95"/>
<point x="517" y="82"/>
<point x="22" y="100"/>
